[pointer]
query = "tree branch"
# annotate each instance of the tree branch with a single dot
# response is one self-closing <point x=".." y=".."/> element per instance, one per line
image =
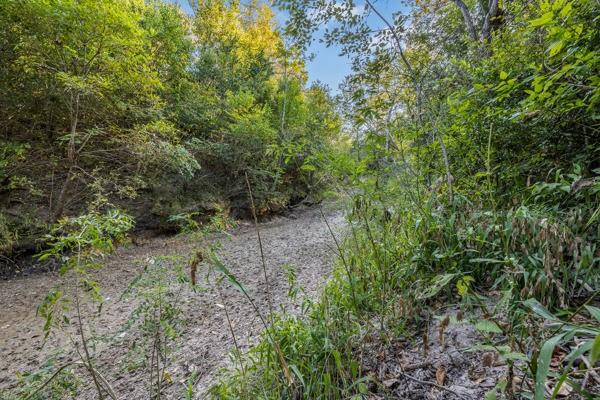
<point x="492" y="11"/>
<point x="467" y="17"/>
<point x="397" y="40"/>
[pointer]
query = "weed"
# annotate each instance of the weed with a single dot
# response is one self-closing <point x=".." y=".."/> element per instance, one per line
<point x="157" y="318"/>
<point x="50" y="382"/>
<point x="79" y="243"/>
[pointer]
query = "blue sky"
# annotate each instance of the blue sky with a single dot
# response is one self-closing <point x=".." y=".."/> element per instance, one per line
<point x="331" y="68"/>
<point x="328" y="66"/>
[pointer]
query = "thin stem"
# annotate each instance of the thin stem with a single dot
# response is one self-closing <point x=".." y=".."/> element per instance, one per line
<point x="54" y="375"/>
<point x="262" y="253"/>
<point x="343" y="258"/>
<point x="382" y="267"/>
<point x="88" y="359"/>
<point x="449" y="177"/>
<point x="396" y="38"/>
<point x="412" y="378"/>
<point x="230" y="325"/>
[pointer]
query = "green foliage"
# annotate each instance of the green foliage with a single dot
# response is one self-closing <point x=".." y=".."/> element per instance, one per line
<point x="185" y="222"/>
<point x="317" y="347"/>
<point x="64" y="384"/>
<point x="139" y="104"/>
<point x="563" y="333"/>
<point x="8" y="236"/>
<point x="476" y="181"/>
<point x="188" y="394"/>
<point x="535" y="96"/>
<point x="85" y="237"/>
<point x="474" y="168"/>
<point x="79" y="243"/>
<point x="157" y="318"/>
<point x="10" y="154"/>
<point x="219" y="222"/>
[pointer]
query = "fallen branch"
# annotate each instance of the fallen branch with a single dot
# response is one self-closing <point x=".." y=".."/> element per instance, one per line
<point x="412" y="378"/>
<point x="413" y="367"/>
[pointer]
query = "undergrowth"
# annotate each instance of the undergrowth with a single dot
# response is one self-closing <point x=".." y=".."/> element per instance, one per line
<point x="526" y="277"/>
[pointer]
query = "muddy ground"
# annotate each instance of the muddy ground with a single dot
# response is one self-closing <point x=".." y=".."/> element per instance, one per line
<point x="300" y="239"/>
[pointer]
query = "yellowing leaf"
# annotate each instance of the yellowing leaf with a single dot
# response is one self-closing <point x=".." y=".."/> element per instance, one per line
<point x="167" y="377"/>
<point x="463" y="285"/>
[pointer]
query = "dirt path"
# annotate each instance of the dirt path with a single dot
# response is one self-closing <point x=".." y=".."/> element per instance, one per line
<point x="301" y="240"/>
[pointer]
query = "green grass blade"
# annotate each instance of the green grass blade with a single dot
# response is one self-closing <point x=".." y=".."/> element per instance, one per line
<point x="543" y="365"/>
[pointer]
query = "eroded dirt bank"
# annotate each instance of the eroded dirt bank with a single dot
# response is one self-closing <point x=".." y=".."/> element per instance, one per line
<point x="301" y="240"/>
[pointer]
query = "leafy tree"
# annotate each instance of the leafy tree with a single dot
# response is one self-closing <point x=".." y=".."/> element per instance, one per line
<point x="87" y="60"/>
<point x="124" y="102"/>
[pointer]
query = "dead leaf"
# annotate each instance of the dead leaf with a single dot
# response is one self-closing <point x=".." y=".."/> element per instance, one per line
<point x="459" y="315"/>
<point x="479" y="380"/>
<point x="557" y="357"/>
<point x="582" y="183"/>
<point x="388" y="383"/>
<point x="443" y="325"/>
<point x="488" y="359"/>
<point x="476" y="374"/>
<point x="440" y="375"/>
<point x="564" y="391"/>
<point x="516" y="384"/>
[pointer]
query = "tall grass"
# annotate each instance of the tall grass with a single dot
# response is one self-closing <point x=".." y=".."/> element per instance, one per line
<point x="398" y="259"/>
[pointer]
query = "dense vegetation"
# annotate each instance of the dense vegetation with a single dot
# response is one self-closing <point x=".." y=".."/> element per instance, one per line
<point x="478" y="201"/>
<point x="472" y="182"/>
<point x="137" y="105"/>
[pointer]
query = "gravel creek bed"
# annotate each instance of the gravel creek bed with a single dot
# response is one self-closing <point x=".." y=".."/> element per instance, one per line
<point x="300" y="239"/>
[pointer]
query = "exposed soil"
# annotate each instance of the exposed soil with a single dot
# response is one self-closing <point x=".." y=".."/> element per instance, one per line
<point x="301" y="239"/>
<point x="432" y="366"/>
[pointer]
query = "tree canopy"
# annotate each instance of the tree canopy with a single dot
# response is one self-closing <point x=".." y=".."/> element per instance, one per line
<point x="137" y="104"/>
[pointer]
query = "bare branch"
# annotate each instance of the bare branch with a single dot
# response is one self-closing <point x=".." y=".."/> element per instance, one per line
<point x="397" y="40"/>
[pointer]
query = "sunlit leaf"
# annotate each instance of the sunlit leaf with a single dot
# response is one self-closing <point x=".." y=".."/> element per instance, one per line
<point x="543" y="20"/>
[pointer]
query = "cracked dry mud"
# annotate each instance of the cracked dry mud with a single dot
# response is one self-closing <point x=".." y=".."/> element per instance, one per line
<point x="301" y="240"/>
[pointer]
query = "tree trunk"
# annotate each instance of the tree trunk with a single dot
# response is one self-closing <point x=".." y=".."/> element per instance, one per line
<point x="486" y="29"/>
<point x="467" y="18"/>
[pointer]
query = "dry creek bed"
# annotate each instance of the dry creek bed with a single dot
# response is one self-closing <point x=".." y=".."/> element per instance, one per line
<point x="300" y="239"/>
